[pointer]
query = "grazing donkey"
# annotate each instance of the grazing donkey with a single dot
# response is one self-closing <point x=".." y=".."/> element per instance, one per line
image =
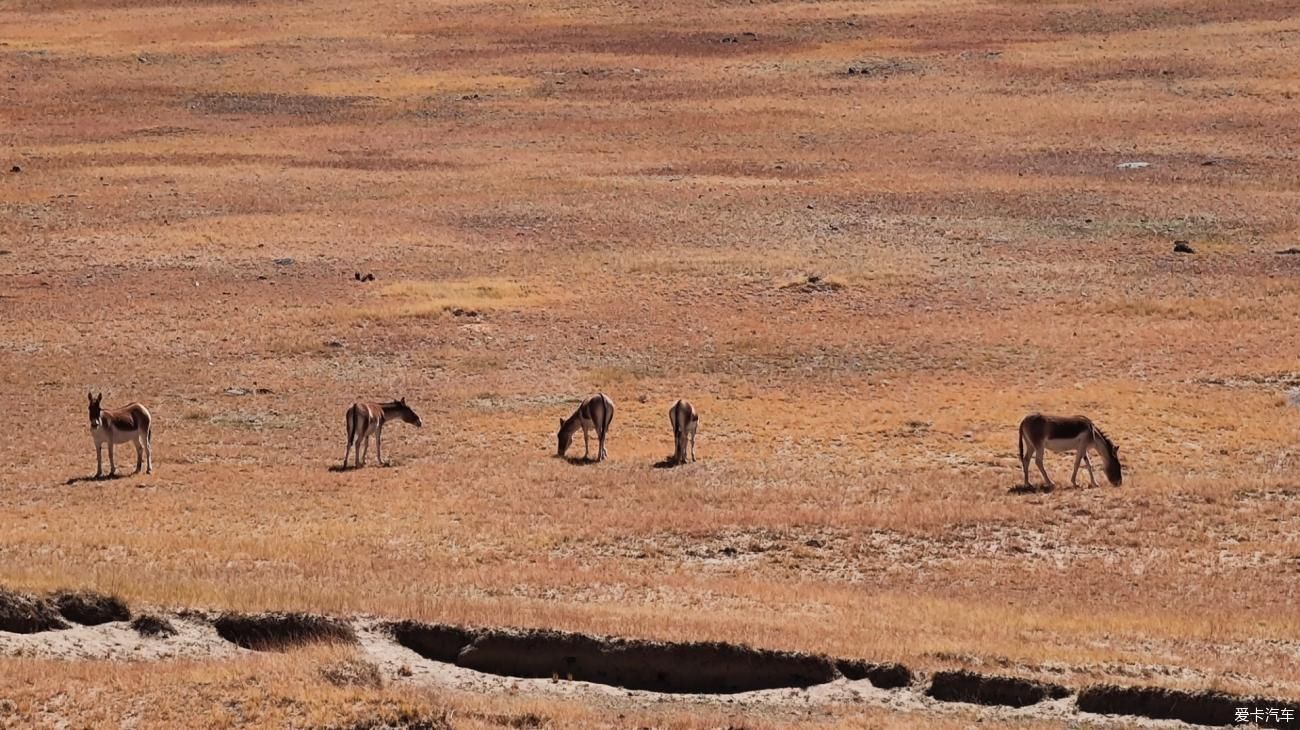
<point x="130" y="423"/>
<point x="1067" y="433"/>
<point x="685" y="420"/>
<point x="597" y="412"/>
<point x="364" y="419"/>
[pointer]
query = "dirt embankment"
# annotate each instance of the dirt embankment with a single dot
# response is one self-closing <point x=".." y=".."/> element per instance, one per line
<point x="694" y="668"/>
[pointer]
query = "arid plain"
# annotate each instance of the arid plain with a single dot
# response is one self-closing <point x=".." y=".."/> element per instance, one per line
<point x="862" y="279"/>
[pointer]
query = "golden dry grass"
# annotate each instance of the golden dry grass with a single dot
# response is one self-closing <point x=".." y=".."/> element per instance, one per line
<point x="426" y="298"/>
<point x="623" y="199"/>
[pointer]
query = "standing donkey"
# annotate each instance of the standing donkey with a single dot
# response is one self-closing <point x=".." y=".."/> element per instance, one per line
<point x="685" y="420"/>
<point x="364" y="419"/>
<point x="130" y="423"/>
<point x="596" y="412"/>
<point x="1067" y="433"/>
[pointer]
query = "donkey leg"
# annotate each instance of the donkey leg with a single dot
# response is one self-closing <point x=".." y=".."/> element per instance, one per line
<point x="379" y="445"/>
<point x="692" y="446"/>
<point x="139" y="452"/>
<point x="1038" y="459"/>
<point x="365" y="450"/>
<point x="586" y="444"/>
<point x="1088" y="462"/>
<point x="99" y="460"/>
<point x="1074" y="476"/>
<point x="600" y="441"/>
<point x="1024" y="462"/>
<point x="112" y="463"/>
<point x="148" y="451"/>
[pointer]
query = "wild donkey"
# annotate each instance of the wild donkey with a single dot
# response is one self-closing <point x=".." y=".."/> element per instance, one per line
<point x="364" y="419"/>
<point x="685" y="420"/>
<point x="130" y="423"/>
<point x="596" y="412"/>
<point x="1067" y="433"/>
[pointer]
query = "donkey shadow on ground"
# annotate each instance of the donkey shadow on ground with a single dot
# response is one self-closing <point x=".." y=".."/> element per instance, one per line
<point x="668" y="463"/>
<point x="1031" y="489"/>
<point x="580" y="460"/>
<point x="93" y="478"/>
<point x="340" y="468"/>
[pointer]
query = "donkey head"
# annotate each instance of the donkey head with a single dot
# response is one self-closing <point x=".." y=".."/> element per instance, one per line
<point x="1114" y="471"/>
<point x="564" y="438"/>
<point x="96" y="413"/>
<point x="405" y="413"/>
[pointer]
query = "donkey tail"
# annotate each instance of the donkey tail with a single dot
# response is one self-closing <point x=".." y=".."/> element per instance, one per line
<point x="351" y="419"/>
<point x="1020" y="441"/>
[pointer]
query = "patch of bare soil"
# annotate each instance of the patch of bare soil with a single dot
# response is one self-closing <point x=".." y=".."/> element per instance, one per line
<point x="294" y="105"/>
<point x="814" y="284"/>
<point x="885" y="67"/>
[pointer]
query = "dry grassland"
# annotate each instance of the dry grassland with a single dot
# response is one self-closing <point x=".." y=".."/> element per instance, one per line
<point x="616" y="199"/>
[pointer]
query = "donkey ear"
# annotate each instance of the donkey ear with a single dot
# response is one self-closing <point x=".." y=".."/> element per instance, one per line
<point x="99" y="397"/>
<point x="403" y="400"/>
<point x="90" y="397"/>
<point x="561" y="423"/>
